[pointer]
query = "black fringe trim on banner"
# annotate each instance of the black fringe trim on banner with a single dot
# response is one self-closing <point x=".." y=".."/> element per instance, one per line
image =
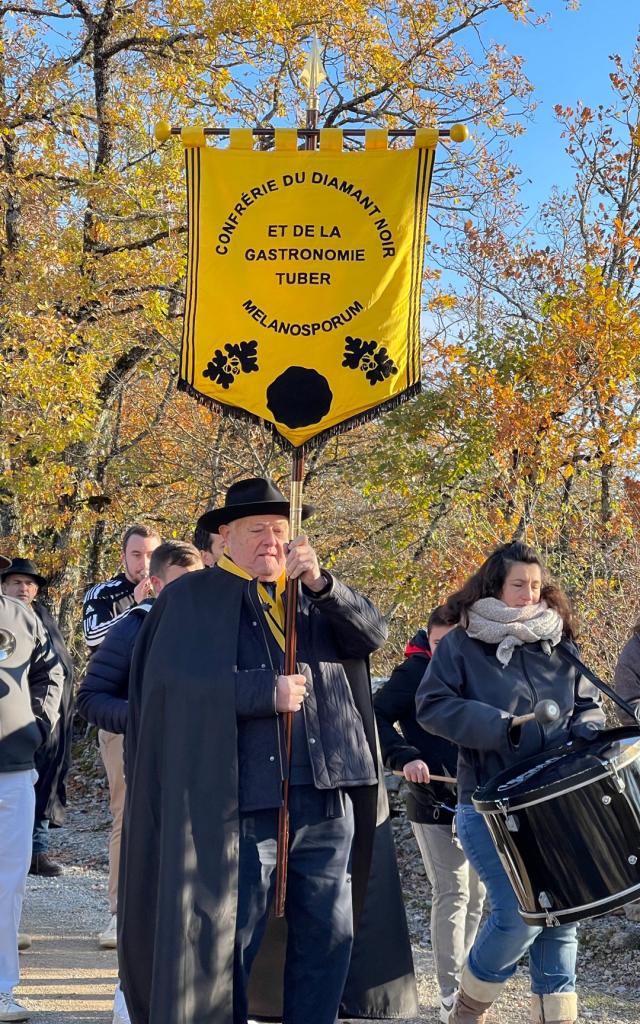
<point x="314" y="442"/>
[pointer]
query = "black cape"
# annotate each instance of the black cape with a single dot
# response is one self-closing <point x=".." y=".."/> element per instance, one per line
<point x="178" y="873"/>
<point x="53" y="759"/>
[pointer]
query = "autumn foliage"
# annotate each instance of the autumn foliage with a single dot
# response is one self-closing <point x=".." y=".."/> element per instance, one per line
<point x="528" y="424"/>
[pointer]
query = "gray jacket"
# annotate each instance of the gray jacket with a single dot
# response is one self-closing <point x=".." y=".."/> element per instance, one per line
<point x="31" y="680"/>
<point x="626" y="680"/>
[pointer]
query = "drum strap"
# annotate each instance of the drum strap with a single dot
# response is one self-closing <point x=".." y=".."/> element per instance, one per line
<point x="569" y="656"/>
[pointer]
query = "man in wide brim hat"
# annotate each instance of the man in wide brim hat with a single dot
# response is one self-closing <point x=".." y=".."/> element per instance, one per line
<point x="21" y="567"/>
<point x="256" y="496"/>
<point x="206" y="764"/>
<point x="245" y="498"/>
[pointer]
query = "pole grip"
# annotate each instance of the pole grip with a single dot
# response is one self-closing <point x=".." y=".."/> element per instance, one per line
<point x="290" y="662"/>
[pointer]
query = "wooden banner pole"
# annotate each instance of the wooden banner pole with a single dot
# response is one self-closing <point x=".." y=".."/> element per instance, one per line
<point x="290" y="667"/>
<point x="290" y="642"/>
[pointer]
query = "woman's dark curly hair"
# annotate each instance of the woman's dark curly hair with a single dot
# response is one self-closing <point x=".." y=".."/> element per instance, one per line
<point x="488" y="581"/>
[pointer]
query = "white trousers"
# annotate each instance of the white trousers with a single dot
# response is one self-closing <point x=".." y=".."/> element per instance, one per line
<point x="17" y="807"/>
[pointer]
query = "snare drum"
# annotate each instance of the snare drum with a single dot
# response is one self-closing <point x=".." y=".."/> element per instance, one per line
<point x="566" y="825"/>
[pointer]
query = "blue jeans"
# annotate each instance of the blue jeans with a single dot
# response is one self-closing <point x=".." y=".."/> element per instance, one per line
<point x="40" y="836"/>
<point x="504" y="937"/>
<point x="318" y="907"/>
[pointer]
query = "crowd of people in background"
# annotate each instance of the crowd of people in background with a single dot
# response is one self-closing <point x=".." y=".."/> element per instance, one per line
<point x="211" y="797"/>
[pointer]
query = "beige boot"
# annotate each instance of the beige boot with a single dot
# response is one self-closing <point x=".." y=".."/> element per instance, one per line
<point x="473" y="999"/>
<point x="555" y="1008"/>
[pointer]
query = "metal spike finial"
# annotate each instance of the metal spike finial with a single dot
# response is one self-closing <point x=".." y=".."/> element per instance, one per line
<point x="313" y="72"/>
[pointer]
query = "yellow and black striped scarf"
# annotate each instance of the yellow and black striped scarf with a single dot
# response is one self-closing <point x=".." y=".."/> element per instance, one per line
<point x="272" y="607"/>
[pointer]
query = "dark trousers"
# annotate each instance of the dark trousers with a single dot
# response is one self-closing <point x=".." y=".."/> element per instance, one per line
<point x="318" y="907"/>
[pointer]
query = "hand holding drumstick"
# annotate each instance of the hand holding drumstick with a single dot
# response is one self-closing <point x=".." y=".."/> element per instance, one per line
<point x="545" y="711"/>
<point x="418" y="771"/>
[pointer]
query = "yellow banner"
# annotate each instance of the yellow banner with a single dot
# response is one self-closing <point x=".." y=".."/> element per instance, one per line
<point x="304" y="280"/>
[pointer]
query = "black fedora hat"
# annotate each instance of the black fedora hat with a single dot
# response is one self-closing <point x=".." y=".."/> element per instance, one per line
<point x="22" y="567"/>
<point x="256" y="496"/>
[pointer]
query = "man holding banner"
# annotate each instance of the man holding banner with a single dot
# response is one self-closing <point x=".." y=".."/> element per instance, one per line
<point x="302" y="313"/>
<point x="206" y="756"/>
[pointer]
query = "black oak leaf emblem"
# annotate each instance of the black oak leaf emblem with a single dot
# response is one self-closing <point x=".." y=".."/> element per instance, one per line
<point x="374" y="362"/>
<point x="224" y="367"/>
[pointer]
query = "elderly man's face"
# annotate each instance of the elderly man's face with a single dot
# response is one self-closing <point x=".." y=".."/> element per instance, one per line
<point x="258" y="545"/>
<point x="21" y="587"/>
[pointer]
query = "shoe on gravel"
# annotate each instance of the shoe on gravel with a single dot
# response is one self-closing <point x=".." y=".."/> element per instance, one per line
<point x="10" y="1010"/>
<point x="42" y="864"/>
<point x="108" y="939"/>
<point x="24" y="941"/>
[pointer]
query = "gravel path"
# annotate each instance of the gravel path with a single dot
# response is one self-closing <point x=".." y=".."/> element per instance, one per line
<point x="67" y="979"/>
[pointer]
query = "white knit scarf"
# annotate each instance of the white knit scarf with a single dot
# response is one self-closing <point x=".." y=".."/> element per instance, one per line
<point x="493" y="622"/>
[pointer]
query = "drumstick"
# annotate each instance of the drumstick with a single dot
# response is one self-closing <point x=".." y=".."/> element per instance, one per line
<point x="545" y="711"/>
<point x="432" y="778"/>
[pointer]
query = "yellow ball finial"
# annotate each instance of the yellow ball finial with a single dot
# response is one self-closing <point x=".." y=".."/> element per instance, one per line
<point x="162" y="131"/>
<point x="459" y="133"/>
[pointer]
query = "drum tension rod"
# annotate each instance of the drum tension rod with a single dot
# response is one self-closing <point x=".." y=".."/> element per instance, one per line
<point x="617" y="779"/>
<point x="546" y="903"/>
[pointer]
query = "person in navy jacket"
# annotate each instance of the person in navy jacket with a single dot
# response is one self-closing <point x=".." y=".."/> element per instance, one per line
<point x="104" y="692"/>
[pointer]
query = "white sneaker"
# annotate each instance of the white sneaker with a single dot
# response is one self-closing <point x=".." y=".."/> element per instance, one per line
<point x="108" y="939"/>
<point x="120" y="1012"/>
<point x="10" y="1010"/>
<point x="446" y="1006"/>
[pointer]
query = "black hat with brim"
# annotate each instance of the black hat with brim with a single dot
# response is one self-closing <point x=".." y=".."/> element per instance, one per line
<point x="21" y="567"/>
<point x="254" y="497"/>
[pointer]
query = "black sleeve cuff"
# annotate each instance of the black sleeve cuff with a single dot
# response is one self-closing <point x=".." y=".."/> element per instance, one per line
<point x="326" y="590"/>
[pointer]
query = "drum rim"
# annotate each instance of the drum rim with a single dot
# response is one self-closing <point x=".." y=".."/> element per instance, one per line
<point x="506" y="802"/>
<point x="539" y="917"/>
<point x="551" y="792"/>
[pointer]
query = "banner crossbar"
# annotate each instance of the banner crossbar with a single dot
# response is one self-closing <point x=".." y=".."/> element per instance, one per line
<point x="457" y="132"/>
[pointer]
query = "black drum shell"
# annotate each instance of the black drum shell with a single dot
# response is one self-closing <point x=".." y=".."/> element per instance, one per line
<point x="566" y="825"/>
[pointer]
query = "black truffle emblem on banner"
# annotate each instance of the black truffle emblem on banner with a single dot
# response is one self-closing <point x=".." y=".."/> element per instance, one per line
<point x="374" y="362"/>
<point x="299" y="397"/>
<point x="241" y="358"/>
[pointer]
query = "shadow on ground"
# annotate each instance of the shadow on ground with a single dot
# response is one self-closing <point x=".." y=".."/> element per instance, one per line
<point x="67" y="980"/>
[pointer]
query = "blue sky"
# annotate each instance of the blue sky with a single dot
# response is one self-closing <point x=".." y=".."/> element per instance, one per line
<point x="567" y="59"/>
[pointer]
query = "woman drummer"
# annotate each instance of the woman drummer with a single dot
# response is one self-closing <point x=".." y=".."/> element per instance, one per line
<point x="500" y="661"/>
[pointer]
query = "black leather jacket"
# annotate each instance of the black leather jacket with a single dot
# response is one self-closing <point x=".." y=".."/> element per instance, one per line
<point x="468" y="697"/>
